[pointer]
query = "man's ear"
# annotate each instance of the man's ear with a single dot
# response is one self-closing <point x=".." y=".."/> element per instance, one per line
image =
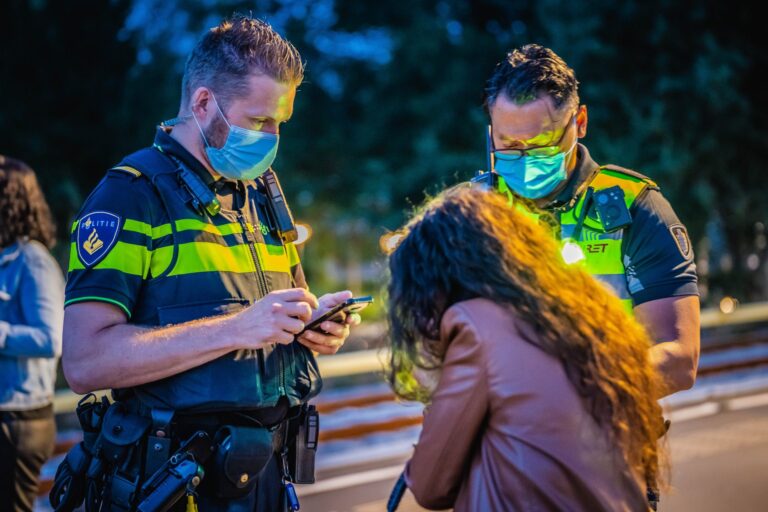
<point x="202" y="106"/>
<point x="581" y="121"/>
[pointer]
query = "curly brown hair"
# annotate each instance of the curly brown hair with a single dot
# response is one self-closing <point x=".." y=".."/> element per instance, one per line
<point x="470" y="243"/>
<point x="23" y="210"/>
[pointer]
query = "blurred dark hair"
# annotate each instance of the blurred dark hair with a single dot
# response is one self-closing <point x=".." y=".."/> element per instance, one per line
<point x="229" y="53"/>
<point x="529" y="73"/>
<point x="470" y="243"/>
<point x="23" y="210"/>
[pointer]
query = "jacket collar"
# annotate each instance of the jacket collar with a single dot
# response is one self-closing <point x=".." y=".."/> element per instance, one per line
<point x="10" y="253"/>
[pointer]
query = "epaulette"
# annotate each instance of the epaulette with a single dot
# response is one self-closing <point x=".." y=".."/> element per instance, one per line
<point x="127" y="169"/>
<point x="632" y="173"/>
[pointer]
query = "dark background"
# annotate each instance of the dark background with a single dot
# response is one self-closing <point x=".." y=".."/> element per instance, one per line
<point x="391" y="107"/>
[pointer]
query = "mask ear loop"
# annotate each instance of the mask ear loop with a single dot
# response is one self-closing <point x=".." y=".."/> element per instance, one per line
<point x="201" y="129"/>
<point x="220" y="112"/>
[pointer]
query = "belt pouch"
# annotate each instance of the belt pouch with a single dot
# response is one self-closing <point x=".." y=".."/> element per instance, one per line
<point x="242" y="454"/>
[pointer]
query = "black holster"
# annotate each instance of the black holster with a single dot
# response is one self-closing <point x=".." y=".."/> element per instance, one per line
<point x="304" y="432"/>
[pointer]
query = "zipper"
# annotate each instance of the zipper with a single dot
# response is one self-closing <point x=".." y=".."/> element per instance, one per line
<point x="249" y="236"/>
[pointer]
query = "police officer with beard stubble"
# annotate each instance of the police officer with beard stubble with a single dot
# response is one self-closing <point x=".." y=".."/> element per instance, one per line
<point x="187" y="300"/>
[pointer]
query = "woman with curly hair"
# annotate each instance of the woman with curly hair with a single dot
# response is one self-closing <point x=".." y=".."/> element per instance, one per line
<point x="542" y="396"/>
<point x="31" y="319"/>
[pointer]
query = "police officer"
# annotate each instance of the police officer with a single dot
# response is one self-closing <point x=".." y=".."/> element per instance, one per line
<point x="613" y="220"/>
<point x="183" y="294"/>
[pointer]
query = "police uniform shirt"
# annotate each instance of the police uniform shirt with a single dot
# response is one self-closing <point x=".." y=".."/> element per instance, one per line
<point x="122" y="241"/>
<point x="656" y="250"/>
<point x="139" y="244"/>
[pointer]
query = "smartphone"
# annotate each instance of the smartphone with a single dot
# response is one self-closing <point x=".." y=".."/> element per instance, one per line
<point x="339" y="312"/>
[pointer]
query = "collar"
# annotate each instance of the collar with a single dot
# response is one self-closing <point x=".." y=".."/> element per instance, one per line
<point x="10" y="253"/>
<point x="577" y="182"/>
<point x="173" y="148"/>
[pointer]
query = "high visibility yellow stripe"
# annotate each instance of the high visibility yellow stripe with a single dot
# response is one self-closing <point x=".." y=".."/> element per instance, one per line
<point x="137" y="227"/>
<point x="603" y="256"/>
<point x="127" y="258"/>
<point x="181" y="225"/>
<point x="194" y="256"/>
<point x="211" y="257"/>
<point x="293" y="255"/>
<point x="194" y="224"/>
<point x="197" y="257"/>
<point x="273" y="258"/>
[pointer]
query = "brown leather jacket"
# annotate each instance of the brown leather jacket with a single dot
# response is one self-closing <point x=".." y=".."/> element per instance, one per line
<point x="506" y="430"/>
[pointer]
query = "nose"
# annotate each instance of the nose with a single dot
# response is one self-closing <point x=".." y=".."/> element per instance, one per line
<point x="271" y="127"/>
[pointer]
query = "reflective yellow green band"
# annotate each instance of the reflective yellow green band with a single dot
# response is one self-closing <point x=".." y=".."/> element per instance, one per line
<point x="124" y="257"/>
<point x="293" y="255"/>
<point x="181" y="225"/>
<point x="197" y="257"/>
<point x="193" y="257"/>
<point x="99" y="299"/>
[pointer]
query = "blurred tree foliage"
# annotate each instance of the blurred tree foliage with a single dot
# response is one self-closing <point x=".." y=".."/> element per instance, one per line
<point x="391" y="107"/>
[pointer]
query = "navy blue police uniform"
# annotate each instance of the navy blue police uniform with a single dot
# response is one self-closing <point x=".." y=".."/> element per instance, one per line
<point x="143" y="243"/>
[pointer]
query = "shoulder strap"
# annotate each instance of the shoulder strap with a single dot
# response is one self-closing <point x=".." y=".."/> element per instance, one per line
<point x="149" y="162"/>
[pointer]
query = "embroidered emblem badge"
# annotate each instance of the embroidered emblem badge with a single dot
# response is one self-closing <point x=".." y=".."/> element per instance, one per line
<point x="680" y="235"/>
<point x="96" y="236"/>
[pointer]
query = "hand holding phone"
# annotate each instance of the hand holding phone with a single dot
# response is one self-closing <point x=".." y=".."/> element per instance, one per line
<point x="338" y="312"/>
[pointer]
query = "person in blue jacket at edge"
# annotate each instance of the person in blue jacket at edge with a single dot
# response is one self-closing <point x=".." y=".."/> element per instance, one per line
<point x="186" y="297"/>
<point x="31" y="316"/>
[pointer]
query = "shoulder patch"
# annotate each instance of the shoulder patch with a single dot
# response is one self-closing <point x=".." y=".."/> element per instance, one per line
<point x="680" y="234"/>
<point x="96" y="236"/>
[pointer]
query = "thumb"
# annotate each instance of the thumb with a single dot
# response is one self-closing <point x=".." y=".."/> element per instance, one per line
<point x="331" y="299"/>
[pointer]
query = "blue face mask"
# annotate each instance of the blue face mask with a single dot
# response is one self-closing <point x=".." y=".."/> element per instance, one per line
<point x="532" y="177"/>
<point x="245" y="155"/>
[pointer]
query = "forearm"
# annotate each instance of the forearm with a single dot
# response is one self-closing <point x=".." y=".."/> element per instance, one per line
<point x="673" y="325"/>
<point x="676" y="364"/>
<point x="28" y="341"/>
<point x="126" y="355"/>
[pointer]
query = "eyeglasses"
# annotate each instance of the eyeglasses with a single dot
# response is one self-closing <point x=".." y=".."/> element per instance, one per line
<point x="539" y="152"/>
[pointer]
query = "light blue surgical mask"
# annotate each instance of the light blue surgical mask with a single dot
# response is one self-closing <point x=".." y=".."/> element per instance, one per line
<point x="245" y="155"/>
<point x="532" y="177"/>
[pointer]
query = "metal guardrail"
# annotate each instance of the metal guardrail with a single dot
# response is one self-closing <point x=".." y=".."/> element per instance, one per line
<point x="743" y="314"/>
<point x="371" y="361"/>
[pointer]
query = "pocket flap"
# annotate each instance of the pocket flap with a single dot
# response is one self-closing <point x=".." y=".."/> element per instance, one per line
<point x="122" y="428"/>
<point x="247" y="452"/>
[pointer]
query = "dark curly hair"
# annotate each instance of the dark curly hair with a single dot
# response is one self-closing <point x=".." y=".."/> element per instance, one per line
<point x="529" y="73"/>
<point x="23" y="210"/>
<point x="469" y="243"/>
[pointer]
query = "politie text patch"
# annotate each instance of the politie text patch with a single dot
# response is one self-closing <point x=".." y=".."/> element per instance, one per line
<point x="96" y="235"/>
